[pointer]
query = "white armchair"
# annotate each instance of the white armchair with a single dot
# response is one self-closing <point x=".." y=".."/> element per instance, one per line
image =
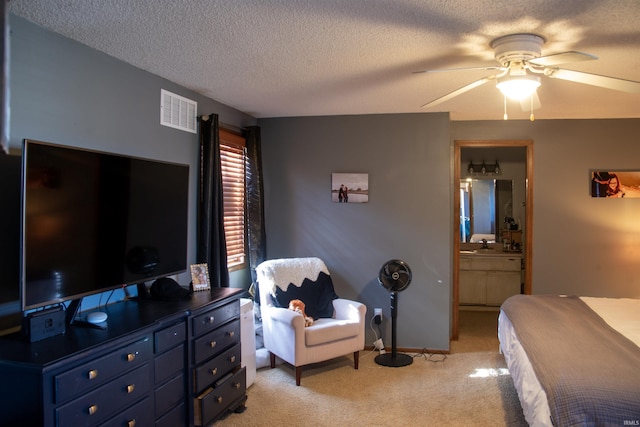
<point x="338" y="326"/>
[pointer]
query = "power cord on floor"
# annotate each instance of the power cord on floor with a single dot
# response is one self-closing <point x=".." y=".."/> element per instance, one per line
<point x="435" y="357"/>
<point x="377" y="343"/>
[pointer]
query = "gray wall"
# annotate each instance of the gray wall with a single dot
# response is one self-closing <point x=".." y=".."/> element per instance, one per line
<point x="581" y="245"/>
<point x="67" y="93"/>
<point x="408" y="215"/>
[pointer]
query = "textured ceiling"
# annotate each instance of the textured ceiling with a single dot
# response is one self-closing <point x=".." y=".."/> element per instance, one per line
<point x="277" y="58"/>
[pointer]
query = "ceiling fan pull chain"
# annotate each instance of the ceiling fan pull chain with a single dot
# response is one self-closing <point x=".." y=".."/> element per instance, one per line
<point x="531" y="116"/>
<point x="505" y="108"/>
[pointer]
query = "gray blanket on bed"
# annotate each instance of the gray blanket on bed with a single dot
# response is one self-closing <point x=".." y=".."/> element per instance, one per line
<point x="589" y="371"/>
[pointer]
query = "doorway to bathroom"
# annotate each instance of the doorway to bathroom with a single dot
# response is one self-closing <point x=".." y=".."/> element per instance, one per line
<point x="481" y="159"/>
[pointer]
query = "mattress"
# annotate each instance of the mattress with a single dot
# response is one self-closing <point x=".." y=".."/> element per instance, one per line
<point x="622" y="314"/>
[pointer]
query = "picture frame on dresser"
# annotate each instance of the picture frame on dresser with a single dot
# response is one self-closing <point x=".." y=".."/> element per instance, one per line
<point x="200" y="277"/>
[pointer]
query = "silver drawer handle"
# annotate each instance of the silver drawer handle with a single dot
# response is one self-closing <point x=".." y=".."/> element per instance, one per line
<point x="231" y="333"/>
<point x="212" y="344"/>
<point x="219" y="399"/>
<point x="210" y="319"/>
<point x="131" y="357"/>
<point x="232" y="359"/>
<point x="130" y="388"/>
<point x="93" y="374"/>
<point x="131" y="423"/>
<point x="93" y="409"/>
<point x="236" y="385"/>
<point x="214" y="371"/>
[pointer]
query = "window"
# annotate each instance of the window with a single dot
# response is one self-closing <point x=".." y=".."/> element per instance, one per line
<point x="232" y="159"/>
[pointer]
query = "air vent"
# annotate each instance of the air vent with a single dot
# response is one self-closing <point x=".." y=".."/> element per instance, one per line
<point x="178" y="112"/>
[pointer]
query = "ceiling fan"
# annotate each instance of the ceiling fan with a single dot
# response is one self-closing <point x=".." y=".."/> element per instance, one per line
<point x="521" y="65"/>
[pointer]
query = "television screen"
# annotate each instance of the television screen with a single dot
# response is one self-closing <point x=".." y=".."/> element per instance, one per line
<point x="95" y="221"/>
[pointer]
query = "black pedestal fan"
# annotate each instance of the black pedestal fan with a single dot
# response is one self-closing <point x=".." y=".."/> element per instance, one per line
<point x="394" y="276"/>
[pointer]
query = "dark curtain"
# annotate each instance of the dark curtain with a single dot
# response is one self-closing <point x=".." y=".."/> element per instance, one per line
<point x="211" y="244"/>
<point x="255" y="202"/>
<point x="4" y="77"/>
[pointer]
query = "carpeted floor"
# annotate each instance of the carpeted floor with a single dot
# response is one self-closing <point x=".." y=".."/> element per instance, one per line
<point x="469" y="387"/>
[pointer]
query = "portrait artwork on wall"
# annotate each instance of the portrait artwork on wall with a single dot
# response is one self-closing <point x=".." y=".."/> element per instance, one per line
<point x="615" y="184"/>
<point x="350" y="187"/>
<point x="200" y="277"/>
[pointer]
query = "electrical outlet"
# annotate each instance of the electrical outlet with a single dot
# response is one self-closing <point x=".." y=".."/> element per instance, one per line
<point x="377" y="315"/>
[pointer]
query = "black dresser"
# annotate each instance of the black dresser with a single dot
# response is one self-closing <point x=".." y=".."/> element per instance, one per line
<point x="157" y="363"/>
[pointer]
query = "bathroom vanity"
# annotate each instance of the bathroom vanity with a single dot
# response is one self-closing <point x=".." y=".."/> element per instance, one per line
<point x="489" y="277"/>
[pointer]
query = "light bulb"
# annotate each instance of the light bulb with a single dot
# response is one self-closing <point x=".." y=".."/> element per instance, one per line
<point x="518" y="87"/>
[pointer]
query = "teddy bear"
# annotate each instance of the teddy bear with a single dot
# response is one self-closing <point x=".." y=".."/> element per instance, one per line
<point x="298" y="306"/>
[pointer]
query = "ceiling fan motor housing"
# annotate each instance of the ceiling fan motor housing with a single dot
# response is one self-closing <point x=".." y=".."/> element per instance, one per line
<point x="517" y="48"/>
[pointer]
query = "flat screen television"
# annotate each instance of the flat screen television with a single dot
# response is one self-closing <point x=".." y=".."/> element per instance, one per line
<point x="94" y="221"/>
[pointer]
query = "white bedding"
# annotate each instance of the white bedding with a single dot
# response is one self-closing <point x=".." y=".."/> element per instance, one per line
<point x="622" y="314"/>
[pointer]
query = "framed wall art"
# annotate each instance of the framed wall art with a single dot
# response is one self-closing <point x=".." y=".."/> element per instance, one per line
<point x="350" y="187"/>
<point x="615" y="184"/>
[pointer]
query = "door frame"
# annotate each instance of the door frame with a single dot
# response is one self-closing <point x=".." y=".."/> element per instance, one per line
<point x="528" y="228"/>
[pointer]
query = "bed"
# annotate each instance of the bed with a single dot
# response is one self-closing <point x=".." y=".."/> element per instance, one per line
<point x="574" y="361"/>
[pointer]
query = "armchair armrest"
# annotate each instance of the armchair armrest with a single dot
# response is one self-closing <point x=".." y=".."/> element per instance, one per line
<point x="284" y="316"/>
<point x="283" y="331"/>
<point x="349" y="310"/>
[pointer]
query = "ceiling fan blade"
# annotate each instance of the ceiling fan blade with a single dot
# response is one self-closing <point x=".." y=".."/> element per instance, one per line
<point x="614" y="83"/>
<point x="561" y="58"/>
<point x="531" y="103"/>
<point x="457" y="92"/>
<point x="487" y="68"/>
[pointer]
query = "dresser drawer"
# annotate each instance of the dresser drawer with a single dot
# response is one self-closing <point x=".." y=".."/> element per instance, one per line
<point x="168" y="364"/>
<point x="83" y="378"/>
<point x="105" y="401"/>
<point x="140" y="414"/>
<point x="214" y="369"/>
<point x="213" y="318"/>
<point x="216" y="341"/>
<point x="213" y="401"/>
<point x="169" y="337"/>
<point x="175" y="418"/>
<point x="169" y="394"/>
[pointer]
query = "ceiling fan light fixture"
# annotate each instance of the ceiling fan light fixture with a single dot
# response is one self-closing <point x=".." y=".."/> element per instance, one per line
<point x="518" y="87"/>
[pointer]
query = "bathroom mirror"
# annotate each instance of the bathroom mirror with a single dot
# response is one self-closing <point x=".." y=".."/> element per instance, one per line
<point x="484" y="204"/>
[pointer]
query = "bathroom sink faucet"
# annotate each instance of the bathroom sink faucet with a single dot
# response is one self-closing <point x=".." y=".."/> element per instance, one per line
<point x="484" y="244"/>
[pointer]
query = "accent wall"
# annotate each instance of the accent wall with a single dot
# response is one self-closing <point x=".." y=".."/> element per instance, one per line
<point x="408" y="215"/>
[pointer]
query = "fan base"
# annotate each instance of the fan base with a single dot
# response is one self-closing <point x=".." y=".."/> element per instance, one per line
<point x="387" y="359"/>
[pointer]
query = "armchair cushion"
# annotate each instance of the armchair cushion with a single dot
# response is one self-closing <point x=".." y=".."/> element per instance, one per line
<point x="327" y="330"/>
<point x="306" y="279"/>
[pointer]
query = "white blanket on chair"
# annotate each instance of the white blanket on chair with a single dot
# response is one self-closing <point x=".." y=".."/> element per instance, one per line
<point x="291" y="271"/>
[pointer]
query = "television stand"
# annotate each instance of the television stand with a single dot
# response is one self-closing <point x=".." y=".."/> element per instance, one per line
<point x="159" y="363"/>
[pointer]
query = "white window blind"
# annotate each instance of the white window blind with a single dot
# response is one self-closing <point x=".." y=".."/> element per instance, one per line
<point x="232" y="158"/>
